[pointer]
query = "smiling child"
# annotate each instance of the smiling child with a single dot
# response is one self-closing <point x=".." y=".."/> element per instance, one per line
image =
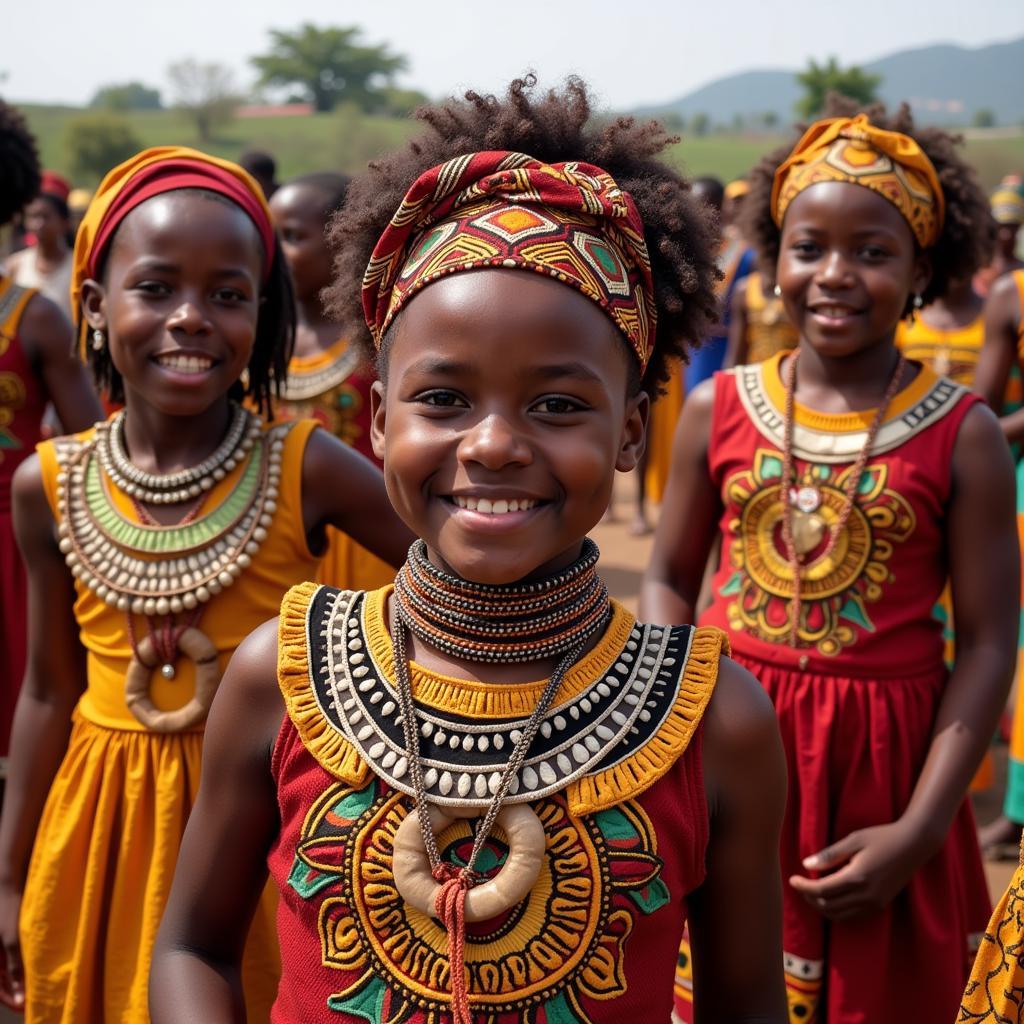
<point x="488" y="792"/>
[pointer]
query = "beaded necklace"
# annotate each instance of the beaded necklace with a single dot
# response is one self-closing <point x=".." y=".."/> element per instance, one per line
<point x="504" y="624"/>
<point x="162" y="572"/>
<point x="802" y="527"/>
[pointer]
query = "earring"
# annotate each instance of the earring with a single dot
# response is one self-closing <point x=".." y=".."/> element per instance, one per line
<point x="99" y="339"/>
<point x="243" y="378"/>
<point x="918" y="302"/>
<point x="777" y="290"/>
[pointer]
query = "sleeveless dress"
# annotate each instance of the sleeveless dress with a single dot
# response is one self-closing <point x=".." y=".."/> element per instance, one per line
<point x="107" y="843"/>
<point x="857" y="697"/>
<point x="22" y="404"/>
<point x="333" y="388"/>
<point x="614" y="776"/>
<point x="768" y="328"/>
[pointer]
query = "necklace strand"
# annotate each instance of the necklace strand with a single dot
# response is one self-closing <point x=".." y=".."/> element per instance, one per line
<point x="850" y="489"/>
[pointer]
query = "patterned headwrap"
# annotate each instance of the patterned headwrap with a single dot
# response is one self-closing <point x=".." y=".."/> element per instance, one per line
<point x="737" y="189"/>
<point x="151" y="173"/>
<point x="854" y="150"/>
<point x="569" y="221"/>
<point x="1007" y="204"/>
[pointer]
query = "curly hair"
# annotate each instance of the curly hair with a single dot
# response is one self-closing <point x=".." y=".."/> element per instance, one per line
<point x="272" y="348"/>
<point x="967" y="239"/>
<point x="550" y="126"/>
<point x="19" y="163"/>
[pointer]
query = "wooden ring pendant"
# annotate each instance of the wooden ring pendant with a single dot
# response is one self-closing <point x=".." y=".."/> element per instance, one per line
<point x="200" y="649"/>
<point x="526" y="849"/>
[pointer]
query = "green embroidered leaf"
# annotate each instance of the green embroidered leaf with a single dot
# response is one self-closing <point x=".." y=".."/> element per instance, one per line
<point x="651" y="897"/>
<point x="614" y="824"/>
<point x="853" y="611"/>
<point x="559" y="1011"/>
<point x="771" y="467"/>
<point x="367" y="1003"/>
<point x="733" y="585"/>
<point x="307" y="881"/>
<point x="352" y="804"/>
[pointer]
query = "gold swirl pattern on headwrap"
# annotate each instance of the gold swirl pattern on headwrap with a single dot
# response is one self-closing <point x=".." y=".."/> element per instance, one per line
<point x="1007" y="205"/>
<point x="568" y="221"/>
<point x="853" y="150"/>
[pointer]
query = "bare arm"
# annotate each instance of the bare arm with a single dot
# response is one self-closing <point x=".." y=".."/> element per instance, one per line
<point x="54" y="680"/>
<point x="689" y="519"/>
<point x="745" y="779"/>
<point x="49" y="343"/>
<point x="736" y="351"/>
<point x="875" y="863"/>
<point x="340" y="488"/>
<point x="999" y="353"/>
<point x="196" y="973"/>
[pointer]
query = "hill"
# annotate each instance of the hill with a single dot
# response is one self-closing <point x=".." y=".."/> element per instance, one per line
<point x="944" y="84"/>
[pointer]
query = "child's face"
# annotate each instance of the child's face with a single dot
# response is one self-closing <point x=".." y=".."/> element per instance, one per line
<point x="847" y="265"/>
<point x="43" y="220"/>
<point x="298" y="213"/>
<point x="505" y="391"/>
<point x="180" y="300"/>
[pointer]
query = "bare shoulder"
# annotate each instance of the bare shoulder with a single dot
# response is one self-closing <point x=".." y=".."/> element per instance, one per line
<point x="45" y="328"/>
<point x="739" y="718"/>
<point x="28" y="498"/>
<point x="981" y="437"/>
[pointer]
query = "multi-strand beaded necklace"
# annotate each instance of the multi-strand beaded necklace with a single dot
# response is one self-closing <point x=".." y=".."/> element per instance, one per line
<point x="553" y="617"/>
<point x="162" y="572"/>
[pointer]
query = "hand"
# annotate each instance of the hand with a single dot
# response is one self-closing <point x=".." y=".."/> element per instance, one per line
<point x="12" y="978"/>
<point x="866" y="870"/>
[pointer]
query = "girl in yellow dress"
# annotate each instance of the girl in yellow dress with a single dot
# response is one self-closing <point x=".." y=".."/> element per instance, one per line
<point x="136" y="533"/>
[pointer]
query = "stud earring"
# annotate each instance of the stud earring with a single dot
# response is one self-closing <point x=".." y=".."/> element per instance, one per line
<point x="777" y="290"/>
<point x="243" y="378"/>
<point x="99" y="339"/>
<point x="918" y="302"/>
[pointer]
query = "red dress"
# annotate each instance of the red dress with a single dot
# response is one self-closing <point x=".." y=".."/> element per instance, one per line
<point x="614" y="776"/>
<point x="22" y="403"/>
<point x="857" y="697"/>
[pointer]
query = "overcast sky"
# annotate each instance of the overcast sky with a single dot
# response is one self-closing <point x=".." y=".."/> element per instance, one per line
<point x="632" y="52"/>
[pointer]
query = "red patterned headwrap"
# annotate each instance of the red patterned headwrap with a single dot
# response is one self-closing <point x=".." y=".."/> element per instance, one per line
<point x="151" y="173"/>
<point x="568" y="221"/>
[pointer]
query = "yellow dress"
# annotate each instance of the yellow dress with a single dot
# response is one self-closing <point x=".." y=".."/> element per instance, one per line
<point x="660" y="433"/>
<point x="107" y="843"/>
<point x="952" y="354"/>
<point x="332" y="388"/>
<point x="768" y="328"/>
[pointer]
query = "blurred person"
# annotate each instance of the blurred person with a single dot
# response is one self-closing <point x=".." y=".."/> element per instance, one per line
<point x="46" y="264"/>
<point x="37" y="366"/>
<point x="759" y="326"/>
<point x="78" y="203"/>
<point x="262" y="166"/>
<point x="1007" y="206"/>
<point x="327" y="378"/>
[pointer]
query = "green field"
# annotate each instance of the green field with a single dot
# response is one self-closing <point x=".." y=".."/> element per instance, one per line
<point x="345" y="140"/>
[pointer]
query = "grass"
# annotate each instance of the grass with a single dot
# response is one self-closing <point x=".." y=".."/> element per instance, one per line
<point x="346" y="139"/>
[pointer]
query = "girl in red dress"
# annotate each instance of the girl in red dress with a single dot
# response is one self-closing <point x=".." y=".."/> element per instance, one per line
<point x="846" y="484"/>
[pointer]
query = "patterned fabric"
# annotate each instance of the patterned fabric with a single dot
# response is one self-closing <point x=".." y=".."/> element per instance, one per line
<point x="768" y="330"/>
<point x="594" y="942"/>
<point x="855" y="151"/>
<point x="151" y="173"/>
<point x="867" y="605"/>
<point x="568" y="221"/>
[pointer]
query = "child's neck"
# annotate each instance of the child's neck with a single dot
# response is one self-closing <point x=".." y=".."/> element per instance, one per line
<point x="161" y="443"/>
<point x="851" y="383"/>
<point x="314" y="333"/>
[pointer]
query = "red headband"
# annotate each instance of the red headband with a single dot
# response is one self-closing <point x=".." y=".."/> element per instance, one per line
<point x="169" y="175"/>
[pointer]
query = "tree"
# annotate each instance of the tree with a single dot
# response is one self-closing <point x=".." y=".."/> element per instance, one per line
<point x="330" y="64"/>
<point x="206" y="92"/>
<point x="984" y="118"/>
<point x="97" y="142"/>
<point x="771" y="119"/>
<point x="126" y="96"/>
<point x="821" y="79"/>
<point x="700" y="123"/>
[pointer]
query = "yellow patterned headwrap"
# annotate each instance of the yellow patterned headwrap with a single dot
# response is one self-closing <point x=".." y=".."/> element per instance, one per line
<point x="1007" y="205"/>
<point x="855" y="151"/>
<point x="737" y="189"/>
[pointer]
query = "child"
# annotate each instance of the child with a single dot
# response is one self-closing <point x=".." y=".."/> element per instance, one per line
<point x="327" y="379"/>
<point x="759" y="327"/>
<point x="1007" y="207"/>
<point x="513" y="385"/>
<point x="136" y="534"/>
<point x="847" y="485"/>
<point x="37" y="365"/>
